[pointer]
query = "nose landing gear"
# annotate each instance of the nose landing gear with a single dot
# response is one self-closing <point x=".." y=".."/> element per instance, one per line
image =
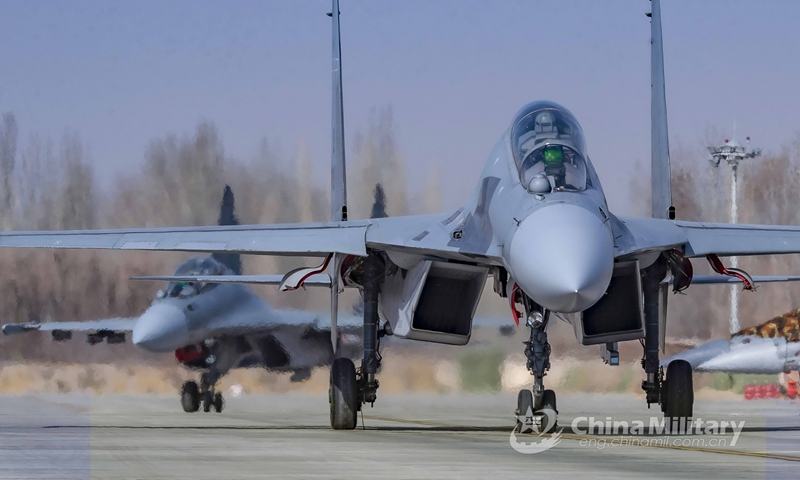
<point x="537" y="406"/>
<point x="192" y="396"/>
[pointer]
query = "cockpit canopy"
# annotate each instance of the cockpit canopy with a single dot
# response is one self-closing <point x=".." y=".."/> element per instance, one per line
<point x="197" y="266"/>
<point x="548" y="142"/>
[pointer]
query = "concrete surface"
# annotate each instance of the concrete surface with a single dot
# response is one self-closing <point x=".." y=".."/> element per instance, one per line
<point x="406" y="436"/>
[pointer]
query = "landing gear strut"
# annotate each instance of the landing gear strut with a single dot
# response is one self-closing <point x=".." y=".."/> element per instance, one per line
<point x="675" y="394"/>
<point x="350" y="388"/>
<point x="538" y="405"/>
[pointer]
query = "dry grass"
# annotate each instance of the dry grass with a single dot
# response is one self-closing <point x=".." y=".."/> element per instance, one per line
<point x="420" y="375"/>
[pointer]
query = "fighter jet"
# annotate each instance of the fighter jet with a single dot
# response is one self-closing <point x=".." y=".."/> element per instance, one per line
<point x="772" y="347"/>
<point x="212" y="327"/>
<point x="537" y="223"/>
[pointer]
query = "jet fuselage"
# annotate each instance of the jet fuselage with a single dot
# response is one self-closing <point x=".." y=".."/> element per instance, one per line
<point x="555" y="241"/>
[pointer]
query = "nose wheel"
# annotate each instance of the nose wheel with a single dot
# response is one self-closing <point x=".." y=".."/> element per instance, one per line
<point x="213" y="401"/>
<point x="190" y="397"/>
<point x="194" y="396"/>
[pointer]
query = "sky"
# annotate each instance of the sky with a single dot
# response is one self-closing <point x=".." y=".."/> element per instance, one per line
<point x="454" y="72"/>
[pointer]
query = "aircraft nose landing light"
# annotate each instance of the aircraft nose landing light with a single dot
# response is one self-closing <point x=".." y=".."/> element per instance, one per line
<point x="562" y="257"/>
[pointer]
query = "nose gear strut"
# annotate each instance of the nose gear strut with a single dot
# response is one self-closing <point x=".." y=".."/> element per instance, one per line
<point x="537" y="351"/>
<point x="533" y="406"/>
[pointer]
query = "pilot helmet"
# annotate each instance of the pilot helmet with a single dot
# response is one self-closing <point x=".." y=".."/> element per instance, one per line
<point x="545" y="124"/>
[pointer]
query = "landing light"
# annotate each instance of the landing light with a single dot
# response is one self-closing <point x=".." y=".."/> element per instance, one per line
<point x="535" y="319"/>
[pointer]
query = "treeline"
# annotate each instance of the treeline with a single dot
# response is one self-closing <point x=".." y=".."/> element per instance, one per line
<point x="767" y="194"/>
<point x="50" y="184"/>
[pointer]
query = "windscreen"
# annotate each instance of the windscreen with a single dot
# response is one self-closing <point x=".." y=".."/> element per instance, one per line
<point x="198" y="266"/>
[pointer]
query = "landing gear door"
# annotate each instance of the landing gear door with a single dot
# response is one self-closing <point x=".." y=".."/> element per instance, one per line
<point x="433" y="301"/>
<point x="400" y="295"/>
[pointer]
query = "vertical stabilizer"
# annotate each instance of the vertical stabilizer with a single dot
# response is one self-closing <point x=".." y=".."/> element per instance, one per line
<point x="338" y="173"/>
<point x="659" y="138"/>
<point x="227" y="216"/>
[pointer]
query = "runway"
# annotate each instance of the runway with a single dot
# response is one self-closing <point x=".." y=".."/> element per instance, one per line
<point x="406" y="436"/>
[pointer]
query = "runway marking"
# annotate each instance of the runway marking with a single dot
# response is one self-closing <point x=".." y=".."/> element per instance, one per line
<point x="571" y="436"/>
<point x="743" y="453"/>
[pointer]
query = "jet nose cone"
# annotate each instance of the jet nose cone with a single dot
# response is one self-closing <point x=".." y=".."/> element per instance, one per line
<point x="700" y="354"/>
<point x="162" y="328"/>
<point x="562" y="256"/>
<point x="749" y="355"/>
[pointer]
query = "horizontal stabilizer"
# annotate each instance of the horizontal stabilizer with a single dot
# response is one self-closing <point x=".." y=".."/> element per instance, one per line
<point x="109" y="324"/>
<point x="318" y="280"/>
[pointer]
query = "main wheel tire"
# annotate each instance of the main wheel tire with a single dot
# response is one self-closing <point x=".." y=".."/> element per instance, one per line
<point x="219" y="402"/>
<point x="524" y="409"/>
<point x="190" y="397"/>
<point x="343" y="394"/>
<point x="679" y="395"/>
<point x="549" y="403"/>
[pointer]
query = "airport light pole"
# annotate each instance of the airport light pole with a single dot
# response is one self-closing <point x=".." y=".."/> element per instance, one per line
<point x="733" y="153"/>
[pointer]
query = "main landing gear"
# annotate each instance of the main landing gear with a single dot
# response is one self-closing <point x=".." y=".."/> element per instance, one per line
<point x="675" y="393"/>
<point x="537" y="406"/>
<point x="350" y="389"/>
<point x="193" y="395"/>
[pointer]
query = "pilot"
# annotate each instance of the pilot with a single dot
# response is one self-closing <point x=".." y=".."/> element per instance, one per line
<point x="545" y="126"/>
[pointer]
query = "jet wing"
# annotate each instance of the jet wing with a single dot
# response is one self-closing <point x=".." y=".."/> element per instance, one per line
<point x="641" y="235"/>
<point x="319" y="280"/>
<point x="109" y="324"/>
<point x="310" y="239"/>
<point x="735" y="239"/>
<point x="721" y="279"/>
<point x="427" y="235"/>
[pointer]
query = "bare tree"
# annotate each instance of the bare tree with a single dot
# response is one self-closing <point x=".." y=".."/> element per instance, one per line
<point x="8" y="158"/>
<point x="378" y="160"/>
<point x="379" y="206"/>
